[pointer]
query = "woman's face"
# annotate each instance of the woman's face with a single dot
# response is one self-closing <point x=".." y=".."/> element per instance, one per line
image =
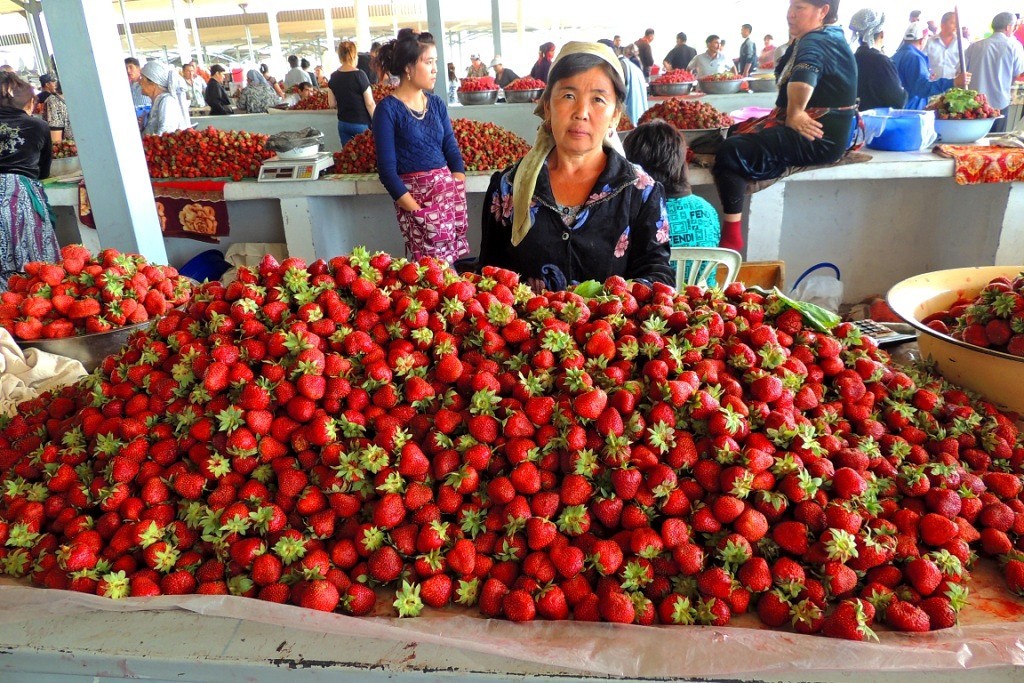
<point x="148" y="87"/>
<point x="582" y="110"/>
<point x="423" y="72"/>
<point x="803" y="17"/>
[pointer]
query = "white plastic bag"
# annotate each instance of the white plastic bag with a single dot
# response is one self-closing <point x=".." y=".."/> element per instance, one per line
<point x="824" y="289"/>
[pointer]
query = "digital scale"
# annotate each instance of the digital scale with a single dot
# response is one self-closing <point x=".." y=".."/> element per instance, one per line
<point x="277" y="169"/>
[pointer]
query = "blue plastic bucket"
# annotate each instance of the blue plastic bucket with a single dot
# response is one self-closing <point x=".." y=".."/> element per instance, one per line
<point x="898" y="130"/>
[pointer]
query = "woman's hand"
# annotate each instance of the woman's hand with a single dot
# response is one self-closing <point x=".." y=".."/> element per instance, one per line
<point x="802" y="123"/>
<point x="408" y="203"/>
<point x="459" y="176"/>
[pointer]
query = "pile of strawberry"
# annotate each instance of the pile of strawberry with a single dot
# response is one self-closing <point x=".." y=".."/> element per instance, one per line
<point x="676" y="76"/>
<point x="485" y="146"/>
<point x="993" y="320"/>
<point x="381" y="90"/>
<point x="209" y="153"/>
<point x="959" y="103"/>
<point x="86" y="294"/>
<point x="315" y="434"/>
<point x="526" y="84"/>
<point x="625" y="125"/>
<point x="314" y="102"/>
<point x="724" y="76"/>
<point x="65" y="149"/>
<point x="482" y="84"/>
<point x="687" y="115"/>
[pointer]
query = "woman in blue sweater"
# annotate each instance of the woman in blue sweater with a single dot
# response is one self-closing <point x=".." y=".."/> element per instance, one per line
<point x="418" y="159"/>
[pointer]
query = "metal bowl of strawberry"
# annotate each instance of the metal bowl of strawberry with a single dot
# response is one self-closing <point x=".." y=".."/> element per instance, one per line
<point x="672" y="89"/>
<point x="523" y="96"/>
<point x="88" y="349"/>
<point x="721" y="86"/>
<point x="994" y="374"/>
<point x="472" y="97"/>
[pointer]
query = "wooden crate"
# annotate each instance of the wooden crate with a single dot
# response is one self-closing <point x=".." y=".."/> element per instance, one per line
<point x="765" y="274"/>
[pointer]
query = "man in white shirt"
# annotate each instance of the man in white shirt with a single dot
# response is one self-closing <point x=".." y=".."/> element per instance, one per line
<point x="711" y="62"/>
<point x="295" y="75"/>
<point x="995" y="62"/>
<point x="943" y="56"/>
<point x="195" y="86"/>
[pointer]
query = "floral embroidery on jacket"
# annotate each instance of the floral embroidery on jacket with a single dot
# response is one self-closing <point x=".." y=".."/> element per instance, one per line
<point x="623" y="244"/>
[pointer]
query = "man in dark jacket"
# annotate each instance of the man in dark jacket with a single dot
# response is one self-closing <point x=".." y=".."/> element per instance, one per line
<point x="679" y="56"/>
<point x="748" y="52"/>
<point x="216" y="96"/>
<point x="643" y="46"/>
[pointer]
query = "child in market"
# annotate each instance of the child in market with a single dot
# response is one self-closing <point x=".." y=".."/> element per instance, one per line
<point x="661" y="150"/>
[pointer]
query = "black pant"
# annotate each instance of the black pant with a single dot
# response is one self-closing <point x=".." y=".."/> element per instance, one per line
<point x="767" y="154"/>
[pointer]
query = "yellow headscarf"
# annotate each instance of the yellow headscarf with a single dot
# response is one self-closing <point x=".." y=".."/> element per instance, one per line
<point x="525" y="182"/>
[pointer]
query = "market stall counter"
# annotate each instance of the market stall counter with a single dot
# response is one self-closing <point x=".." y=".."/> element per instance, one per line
<point x="892" y="216"/>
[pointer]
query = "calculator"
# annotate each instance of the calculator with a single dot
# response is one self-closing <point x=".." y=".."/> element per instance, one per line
<point x="886" y="334"/>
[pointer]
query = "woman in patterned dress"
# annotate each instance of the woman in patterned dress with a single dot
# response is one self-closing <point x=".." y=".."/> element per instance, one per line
<point x="258" y="96"/>
<point x="26" y="223"/>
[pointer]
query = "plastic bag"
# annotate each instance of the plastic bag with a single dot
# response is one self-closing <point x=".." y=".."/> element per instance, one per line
<point x="822" y="289"/>
<point x="288" y="140"/>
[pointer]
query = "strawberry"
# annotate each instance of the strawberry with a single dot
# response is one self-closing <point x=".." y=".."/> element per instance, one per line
<point x="903" y="616"/>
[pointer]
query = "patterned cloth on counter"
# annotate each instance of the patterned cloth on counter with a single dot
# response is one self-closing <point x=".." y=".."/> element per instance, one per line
<point x="976" y="164"/>
<point x="194" y="209"/>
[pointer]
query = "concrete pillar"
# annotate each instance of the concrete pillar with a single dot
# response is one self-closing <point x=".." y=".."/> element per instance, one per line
<point x="329" y="27"/>
<point x="521" y="25"/>
<point x="435" y="25"/>
<point x="89" y="53"/>
<point x="495" y="28"/>
<point x="277" y="63"/>
<point x="128" y="29"/>
<point x="200" y="61"/>
<point x="361" y="9"/>
<point x="181" y="32"/>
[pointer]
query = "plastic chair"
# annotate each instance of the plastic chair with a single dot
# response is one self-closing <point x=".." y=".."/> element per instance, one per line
<point x="695" y="265"/>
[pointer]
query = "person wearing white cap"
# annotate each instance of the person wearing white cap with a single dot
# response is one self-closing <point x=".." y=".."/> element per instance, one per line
<point x="168" y="91"/>
<point x="477" y="68"/>
<point x="912" y="65"/>
<point x="997" y="61"/>
<point x="502" y="75"/>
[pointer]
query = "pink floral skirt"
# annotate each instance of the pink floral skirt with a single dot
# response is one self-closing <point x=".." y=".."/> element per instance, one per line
<point x="438" y="229"/>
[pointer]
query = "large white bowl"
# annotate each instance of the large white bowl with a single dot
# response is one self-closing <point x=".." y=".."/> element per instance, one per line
<point x="963" y="131"/>
<point x="997" y="376"/>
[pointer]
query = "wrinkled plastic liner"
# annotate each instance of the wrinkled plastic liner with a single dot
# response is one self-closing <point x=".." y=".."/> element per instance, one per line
<point x="286" y="141"/>
<point x="991" y="635"/>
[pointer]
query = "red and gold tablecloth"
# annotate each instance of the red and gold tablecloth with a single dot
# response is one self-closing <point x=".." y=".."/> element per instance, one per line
<point x="976" y="164"/>
<point x="194" y="209"/>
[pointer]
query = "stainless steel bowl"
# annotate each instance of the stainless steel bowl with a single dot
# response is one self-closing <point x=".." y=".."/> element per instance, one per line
<point x="692" y="134"/>
<point x="672" y="89"/>
<point x="762" y="84"/>
<point x="721" y="87"/>
<point x="523" y="96"/>
<point x="478" y="97"/>
<point x="89" y="349"/>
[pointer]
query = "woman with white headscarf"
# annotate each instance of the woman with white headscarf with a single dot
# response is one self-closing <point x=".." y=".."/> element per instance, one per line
<point x="168" y="91"/>
<point x="258" y="95"/>
<point x="878" y="83"/>
<point x="574" y="208"/>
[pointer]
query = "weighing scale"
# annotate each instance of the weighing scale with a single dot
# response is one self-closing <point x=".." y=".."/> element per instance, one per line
<point x="309" y="168"/>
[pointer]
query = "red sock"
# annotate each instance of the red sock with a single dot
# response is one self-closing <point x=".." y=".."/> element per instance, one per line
<point x="732" y="235"/>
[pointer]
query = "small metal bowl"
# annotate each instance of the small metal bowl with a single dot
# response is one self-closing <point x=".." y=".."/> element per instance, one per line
<point x="523" y="96"/>
<point x="721" y="87"/>
<point x="692" y="134"/>
<point x="89" y="349"/>
<point x="478" y="97"/>
<point x="762" y="84"/>
<point x="672" y="89"/>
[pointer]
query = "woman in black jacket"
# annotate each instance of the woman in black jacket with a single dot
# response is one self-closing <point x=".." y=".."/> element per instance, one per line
<point x="878" y="83"/>
<point x="216" y="96"/>
<point x="573" y="208"/>
<point x="26" y="223"/>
